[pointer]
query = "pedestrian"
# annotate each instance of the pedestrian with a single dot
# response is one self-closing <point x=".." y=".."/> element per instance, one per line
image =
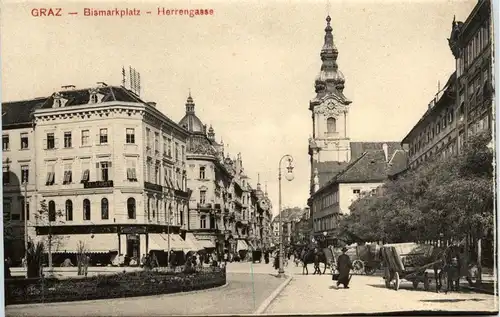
<point x="344" y="266"/>
<point x="86" y="264"/>
<point x="316" y="262"/>
<point x="6" y="268"/>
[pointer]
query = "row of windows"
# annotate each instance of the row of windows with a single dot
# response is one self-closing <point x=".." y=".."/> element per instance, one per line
<point x="167" y="146"/>
<point x="176" y="180"/>
<point x="325" y="223"/>
<point x="474" y="48"/>
<point x="23" y="141"/>
<point x="103" y="173"/>
<point x="7" y="209"/>
<point x="86" y="210"/>
<point x="327" y="201"/>
<point x="25" y="171"/>
<point x="171" y="216"/>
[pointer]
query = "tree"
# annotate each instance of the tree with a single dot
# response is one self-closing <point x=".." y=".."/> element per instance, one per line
<point x="442" y="199"/>
<point x="48" y="215"/>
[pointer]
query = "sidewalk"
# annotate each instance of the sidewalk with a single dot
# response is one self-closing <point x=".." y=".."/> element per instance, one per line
<point x="487" y="286"/>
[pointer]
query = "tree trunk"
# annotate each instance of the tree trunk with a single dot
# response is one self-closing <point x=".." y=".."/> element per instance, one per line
<point x="479" y="266"/>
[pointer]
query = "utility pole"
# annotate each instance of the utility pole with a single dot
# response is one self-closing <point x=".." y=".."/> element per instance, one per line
<point x="26" y="225"/>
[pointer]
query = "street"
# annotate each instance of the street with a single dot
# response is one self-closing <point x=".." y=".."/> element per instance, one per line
<point x="367" y="294"/>
<point x="304" y="294"/>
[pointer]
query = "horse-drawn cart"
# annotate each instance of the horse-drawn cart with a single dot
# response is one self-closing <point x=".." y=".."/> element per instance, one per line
<point x="409" y="261"/>
<point x="365" y="258"/>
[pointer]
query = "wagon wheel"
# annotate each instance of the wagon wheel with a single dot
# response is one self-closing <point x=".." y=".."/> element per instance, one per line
<point x="358" y="266"/>
<point x="369" y="270"/>
<point x="387" y="278"/>
<point x="415" y="283"/>
<point x="426" y="281"/>
<point x="396" y="280"/>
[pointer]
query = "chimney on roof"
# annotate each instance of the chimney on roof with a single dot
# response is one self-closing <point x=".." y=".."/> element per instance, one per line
<point x="68" y="87"/>
<point x="152" y="104"/>
<point x="385" y="147"/>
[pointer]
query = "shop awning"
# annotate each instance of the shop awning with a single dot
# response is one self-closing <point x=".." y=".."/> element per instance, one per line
<point x="241" y="245"/>
<point x="205" y="243"/>
<point x="92" y="243"/>
<point x="160" y="242"/>
<point x="192" y="243"/>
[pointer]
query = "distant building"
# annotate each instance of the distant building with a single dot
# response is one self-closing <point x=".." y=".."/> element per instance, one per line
<point x="341" y="169"/>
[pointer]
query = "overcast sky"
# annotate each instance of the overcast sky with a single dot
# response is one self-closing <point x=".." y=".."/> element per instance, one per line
<point x="250" y="67"/>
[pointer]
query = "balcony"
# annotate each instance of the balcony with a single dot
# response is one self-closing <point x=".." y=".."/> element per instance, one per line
<point x="151" y="186"/>
<point x="98" y="184"/>
<point x="217" y="207"/>
<point x="204" y="206"/>
<point x="181" y="193"/>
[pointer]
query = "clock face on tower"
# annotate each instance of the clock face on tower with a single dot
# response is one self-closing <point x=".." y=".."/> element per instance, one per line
<point x="263" y="205"/>
<point x="330" y="104"/>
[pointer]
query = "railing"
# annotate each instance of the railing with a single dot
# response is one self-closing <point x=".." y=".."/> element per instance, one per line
<point x="151" y="186"/>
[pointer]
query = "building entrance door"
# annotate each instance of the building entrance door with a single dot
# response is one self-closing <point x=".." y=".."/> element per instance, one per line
<point x="133" y="246"/>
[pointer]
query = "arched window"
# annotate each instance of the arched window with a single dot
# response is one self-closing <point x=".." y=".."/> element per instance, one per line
<point x="52" y="211"/>
<point x="104" y="209"/>
<point x="69" y="210"/>
<point x="131" y="208"/>
<point x="86" y="209"/>
<point x="331" y="125"/>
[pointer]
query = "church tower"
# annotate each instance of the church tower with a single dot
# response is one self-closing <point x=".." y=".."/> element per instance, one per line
<point x="330" y="110"/>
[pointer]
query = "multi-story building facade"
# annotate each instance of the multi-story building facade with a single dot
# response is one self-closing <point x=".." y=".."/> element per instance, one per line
<point x="98" y="167"/>
<point x="364" y="165"/>
<point x="464" y="106"/>
<point x="221" y="207"/>
<point x="18" y="148"/>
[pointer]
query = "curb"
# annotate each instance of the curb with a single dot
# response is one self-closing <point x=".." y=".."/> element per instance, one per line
<point x="271" y="297"/>
<point x="478" y="290"/>
<point x="107" y="299"/>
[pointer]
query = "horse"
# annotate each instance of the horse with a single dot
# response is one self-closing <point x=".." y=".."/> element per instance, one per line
<point x="449" y="269"/>
<point x="307" y="257"/>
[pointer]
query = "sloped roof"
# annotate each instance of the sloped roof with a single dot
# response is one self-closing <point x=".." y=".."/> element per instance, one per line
<point x="371" y="167"/>
<point x="199" y="144"/>
<point x="358" y="148"/>
<point x="19" y="112"/>
<point x="328" y="170"/>
<point x="398" y="162"/>
<point x="78" y="97"/>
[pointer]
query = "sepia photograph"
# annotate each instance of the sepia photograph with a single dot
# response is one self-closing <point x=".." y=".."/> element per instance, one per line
<point x="206" y="158"/>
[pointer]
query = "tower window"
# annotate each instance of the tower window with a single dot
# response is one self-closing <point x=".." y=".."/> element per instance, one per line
<point x="331" y="125"/>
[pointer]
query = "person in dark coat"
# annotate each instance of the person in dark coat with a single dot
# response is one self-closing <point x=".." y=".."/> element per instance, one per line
<point x="344" y="266"/>
<point x="6" y="268"/>
<point x="316" y="262"/>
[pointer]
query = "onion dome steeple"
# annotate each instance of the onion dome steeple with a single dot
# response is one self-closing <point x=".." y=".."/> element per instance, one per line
<point x="330" y="78"/>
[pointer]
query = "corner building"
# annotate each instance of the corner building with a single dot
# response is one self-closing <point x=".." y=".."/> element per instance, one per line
<point x="102" y="165"/>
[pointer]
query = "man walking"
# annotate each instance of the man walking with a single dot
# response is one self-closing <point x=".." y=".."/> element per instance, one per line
<point x="344" y="266"/>
<point x="316" y="262"/>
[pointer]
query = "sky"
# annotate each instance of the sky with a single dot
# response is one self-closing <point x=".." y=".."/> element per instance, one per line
<point x="250" y="67"/>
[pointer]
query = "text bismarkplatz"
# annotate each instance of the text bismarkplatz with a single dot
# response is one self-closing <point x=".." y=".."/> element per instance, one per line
<point x="92" y="12"/>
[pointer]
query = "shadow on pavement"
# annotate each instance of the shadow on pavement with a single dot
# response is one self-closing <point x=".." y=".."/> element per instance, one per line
<point x="455" y="300"/>
<point x="432" y="289"/>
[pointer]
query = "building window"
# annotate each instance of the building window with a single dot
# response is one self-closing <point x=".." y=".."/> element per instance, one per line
<point x="103" y="136"/>
<point x="85" y="175"/>
<point x="131" y="172"/>
<point x="149" y="208"/>
<point x="5" y="175"/>
<point x="176" y="151"/>
<point x="203" y="194"/>
<point x="157" y="174"/>
<point x="157" y="143"/>
<point x="68" y="175"/>
<point x="67" y="139"/>
<point x="51" y="175"/>
<point x="69" y="210"/>
<point x="51" y="141"/>
<point x="356" y="191"/>
<point x="203" y="222"/>
<point x="169" y="148"/>
<point x="5" y="142"/>
<point x="104" y="170"/>
<point x="331" y="125"/>
<point x="148" y="139"/>
<point x="131" y="208"/>
<point x="130" y="136"/>
<point x="85" y="137"/>
<point x="104" y="209"/>
<point x="450" y="116"/>
<point x="164" y="145"/>
<point x="52" y="211"/>
<point x="202" y="172"/>
<point x="24" y="141"/>
<point x="86" y="209"/>
<point x="93" y="98"/>
<point x="25" y="172"/>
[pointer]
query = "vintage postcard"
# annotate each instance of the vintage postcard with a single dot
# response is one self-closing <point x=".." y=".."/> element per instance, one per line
<point x="248" y="157"/>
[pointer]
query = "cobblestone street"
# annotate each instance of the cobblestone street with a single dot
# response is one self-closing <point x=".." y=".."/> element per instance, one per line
<point x="367" y="294"/>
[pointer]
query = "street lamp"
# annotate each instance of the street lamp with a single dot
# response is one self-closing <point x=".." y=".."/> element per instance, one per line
<point x="289" y="177"/>
<point x="26" y="225"/>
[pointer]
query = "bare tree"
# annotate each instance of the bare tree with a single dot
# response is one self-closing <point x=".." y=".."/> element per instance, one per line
<point x="81" y="258"/>
<point x="48" y="217"/>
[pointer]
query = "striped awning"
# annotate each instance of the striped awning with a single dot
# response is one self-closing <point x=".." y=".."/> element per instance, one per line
<point x="205" y="243"/>
<point x="91" y="243"/>
<point x="161" y="241"/>
<point x="192" y="243"/>
<point x="241" y="245"/>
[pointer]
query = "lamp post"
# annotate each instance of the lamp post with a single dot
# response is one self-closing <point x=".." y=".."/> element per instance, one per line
<point x="26" y="225"/>
<point x="289" y="177"/>
<point x="169" y="221"/>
